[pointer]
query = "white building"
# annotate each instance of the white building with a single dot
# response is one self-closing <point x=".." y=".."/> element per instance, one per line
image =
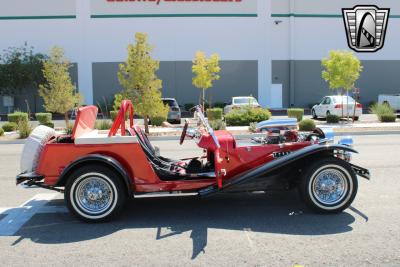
<point x="269" y="48"/>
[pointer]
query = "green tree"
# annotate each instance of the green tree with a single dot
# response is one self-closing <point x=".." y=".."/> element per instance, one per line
<point x="341" y="70"/>
<point x="20" y="68"/>
<point x="137" y="75"/>
<point x="58" y="92"/>
<point x="206" y="72"/>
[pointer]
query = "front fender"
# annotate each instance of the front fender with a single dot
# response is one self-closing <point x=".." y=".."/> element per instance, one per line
<point x="96" y="158"/>
<point x="267" y="168"/>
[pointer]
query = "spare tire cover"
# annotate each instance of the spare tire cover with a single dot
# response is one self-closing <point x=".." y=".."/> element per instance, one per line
<point x="34" y="145"/>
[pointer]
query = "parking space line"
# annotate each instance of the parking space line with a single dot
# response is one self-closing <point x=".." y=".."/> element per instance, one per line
<point x="17" y="217"/>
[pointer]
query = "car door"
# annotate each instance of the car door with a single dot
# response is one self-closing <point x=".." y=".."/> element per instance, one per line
<point x="326" y="106"/>
<point x="319" y="108"/>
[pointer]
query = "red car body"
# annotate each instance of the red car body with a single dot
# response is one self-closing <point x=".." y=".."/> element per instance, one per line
<point x="127" y="150"/>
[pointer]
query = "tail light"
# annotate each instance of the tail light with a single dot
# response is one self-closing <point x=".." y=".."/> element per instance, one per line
<point x="359" y="105"/>
<point x="175" y="109"/>
<point x="339" y="106"/>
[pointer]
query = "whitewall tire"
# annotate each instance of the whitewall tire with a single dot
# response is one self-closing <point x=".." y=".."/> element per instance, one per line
<point x="329" y="185"/>
<point x="95" y="193"/>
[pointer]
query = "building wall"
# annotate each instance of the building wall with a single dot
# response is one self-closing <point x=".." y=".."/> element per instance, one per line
<point x="177" y="81"/>
<point x="261" y="42"/>
<point x="29" y="98"/>
<point x="307" y="30"/>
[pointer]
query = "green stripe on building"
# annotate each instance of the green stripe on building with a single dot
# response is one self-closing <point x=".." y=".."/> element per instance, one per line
<point x="298" y="15"/>
<point x="37" y="17"/>
<point x="168" y="15"/>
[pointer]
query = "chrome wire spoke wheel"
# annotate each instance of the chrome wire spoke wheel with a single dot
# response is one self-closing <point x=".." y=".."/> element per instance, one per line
<point x="94" y="195"/>
<point x="329" y="186"/>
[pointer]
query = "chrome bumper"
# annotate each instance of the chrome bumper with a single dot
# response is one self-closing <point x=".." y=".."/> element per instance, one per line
<point x="28" y="176"/>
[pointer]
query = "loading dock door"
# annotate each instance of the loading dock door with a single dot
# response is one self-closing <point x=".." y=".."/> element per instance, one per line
<point x="276" y="96"/>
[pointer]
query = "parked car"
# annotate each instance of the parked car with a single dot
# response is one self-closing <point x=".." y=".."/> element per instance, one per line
<point x="98" y="172"/>
<point x="392" y="100"/>
<point x="239" y="102"/>
<point x="174" y="113"/>
<point x="341" y="106"/>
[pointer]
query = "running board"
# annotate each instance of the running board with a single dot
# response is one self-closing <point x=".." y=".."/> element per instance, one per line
<point x="166" y="194"/>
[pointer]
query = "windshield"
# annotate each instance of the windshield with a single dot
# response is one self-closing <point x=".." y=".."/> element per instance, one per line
<point x="206" y="125"/>
<point x="170" y="102"/>
<point x="245" y="100"/>
<point x="340" y="99"/>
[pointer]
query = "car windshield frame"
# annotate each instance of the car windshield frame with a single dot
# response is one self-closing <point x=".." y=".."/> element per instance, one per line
<point x="206" y="125"/>
<point x="245" y="100"/>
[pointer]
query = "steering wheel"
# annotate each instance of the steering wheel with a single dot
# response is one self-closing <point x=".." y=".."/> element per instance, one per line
<point x="184" y="132"/>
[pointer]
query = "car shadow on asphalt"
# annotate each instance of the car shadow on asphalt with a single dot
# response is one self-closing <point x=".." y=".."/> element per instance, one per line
<point x="278" y="213"/>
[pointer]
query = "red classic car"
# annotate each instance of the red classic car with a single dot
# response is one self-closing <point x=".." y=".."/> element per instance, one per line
<point x="98" y="172"/>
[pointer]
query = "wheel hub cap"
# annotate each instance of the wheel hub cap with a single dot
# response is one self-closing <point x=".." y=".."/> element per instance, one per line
<point x="94" y="195"/>
<point x="329" y="186"/>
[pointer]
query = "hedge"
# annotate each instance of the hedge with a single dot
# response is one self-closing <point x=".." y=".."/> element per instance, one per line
<point x="295" y="113"/>
<point x="332" y="118"/>
<point x="383" y="110"/>
<point x="1" y="132"/>
<point x="307" y="125"/>
<point x="217" y="124"/>
<point x="48" y="124"/>
<point x="388" y="118"/>
<point x="214" y="114"/>
<point x="10" y="126"/>
<point x="24" y="128"/>
<point x="157" y="121"/>
<point x="43" y="118"/>
<point x="246" y="116"/>
<point x="17" y="117"/>
<point x="103" y="125"/>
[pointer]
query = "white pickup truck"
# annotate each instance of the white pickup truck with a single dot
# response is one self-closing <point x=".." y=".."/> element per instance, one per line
<point x="392" y="100"/>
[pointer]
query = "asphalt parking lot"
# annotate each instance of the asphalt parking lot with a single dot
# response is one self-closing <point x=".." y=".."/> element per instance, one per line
<point x="273" y="229"/>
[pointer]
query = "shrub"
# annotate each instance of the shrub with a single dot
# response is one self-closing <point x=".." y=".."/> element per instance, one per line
<point x="295" y="113"/>
<point x="388" y="118"/>
<point x="43" y="118"/>
<point x="253" y="127"/>
<point x="188" y="106"/>
<point x="24" y="128"/>
<point x="214" y="114"/>
<point x="307" y="125"/>
<point x="217" y="124"/>
<point x="48" y="124"/>
<point x="383" y="110"/>
<point x="332" y="118"/>
<point x="17" y="117"/>
<point x="1" y="132"/>
<point x="103" y="124"/>
<point x="157" y="121"/>
<point x="69" y="129"/>
<point x="246" y="116"/>
<point x="113" y="114"/>
<point x="9" y="126"/>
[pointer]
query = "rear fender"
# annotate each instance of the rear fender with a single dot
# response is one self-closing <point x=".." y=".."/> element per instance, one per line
<point x="98" y="159"/>
<point x="263" y="172"/>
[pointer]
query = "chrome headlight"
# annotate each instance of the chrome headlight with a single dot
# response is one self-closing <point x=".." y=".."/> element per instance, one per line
<point x="346" y="141"/>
